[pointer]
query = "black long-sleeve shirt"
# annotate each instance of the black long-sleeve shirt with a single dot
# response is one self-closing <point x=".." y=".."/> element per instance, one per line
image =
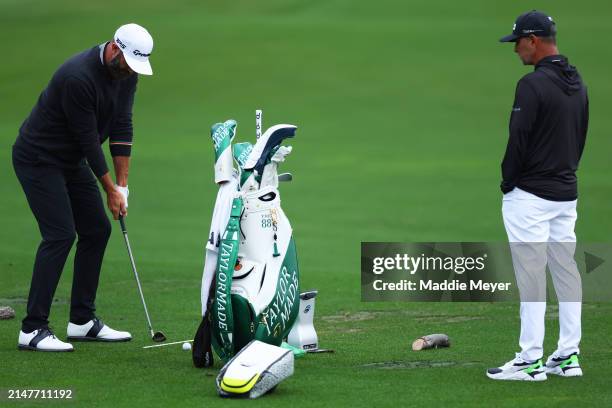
<point x="80" y="108"/>
<point x="548" y="128"/>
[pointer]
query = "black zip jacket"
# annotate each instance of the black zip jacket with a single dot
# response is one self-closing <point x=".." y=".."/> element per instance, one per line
<point x="80" y="108"/>
<point x="548" y="128"/>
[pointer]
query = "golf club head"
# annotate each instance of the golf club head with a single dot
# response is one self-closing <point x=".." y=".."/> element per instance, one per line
<point x="158" y="337"/>
<point x="285" y="177"/>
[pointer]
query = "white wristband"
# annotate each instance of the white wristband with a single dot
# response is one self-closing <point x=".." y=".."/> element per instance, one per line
<point x="124" y="192"/>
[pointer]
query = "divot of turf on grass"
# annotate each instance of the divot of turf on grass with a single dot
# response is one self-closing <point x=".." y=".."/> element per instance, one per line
<point x="448" y="319"/>
<point x="419" y="317"/>
<point x="13" y="300"/>
<point x="351" y="317"/>
<point x="409" y="365"/>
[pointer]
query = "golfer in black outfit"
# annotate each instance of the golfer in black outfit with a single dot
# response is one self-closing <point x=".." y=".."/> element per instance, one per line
<point x="57" y="158"/>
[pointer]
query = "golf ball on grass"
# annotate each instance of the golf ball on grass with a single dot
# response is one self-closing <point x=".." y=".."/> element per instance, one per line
<point x="186" y="346"/>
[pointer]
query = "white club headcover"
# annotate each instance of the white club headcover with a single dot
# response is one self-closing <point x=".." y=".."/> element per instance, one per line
<point x="255" y="370"/>
<point x="281" y="153"/>
<point x="270" y="139"/>
<point x="269" y="178"/>
<point x="222" y="135"/>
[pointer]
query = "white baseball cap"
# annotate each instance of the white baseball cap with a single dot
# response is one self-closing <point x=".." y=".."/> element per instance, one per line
<point x="136" y="44"/>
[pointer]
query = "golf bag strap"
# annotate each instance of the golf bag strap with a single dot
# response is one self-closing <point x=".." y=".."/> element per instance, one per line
<point x="95" y="329"/>
<point x="228" y="254"/>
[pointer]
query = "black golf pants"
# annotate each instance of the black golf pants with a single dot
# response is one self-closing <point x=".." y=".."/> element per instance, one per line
<point x="66" y="204"/>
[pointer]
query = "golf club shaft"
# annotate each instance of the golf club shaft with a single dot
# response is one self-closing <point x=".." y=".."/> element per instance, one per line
<point x="129" y="249"/>
<point x="168" y="344"/>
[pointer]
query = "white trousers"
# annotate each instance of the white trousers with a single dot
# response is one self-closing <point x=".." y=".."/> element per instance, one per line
<point x="541" y="232"/>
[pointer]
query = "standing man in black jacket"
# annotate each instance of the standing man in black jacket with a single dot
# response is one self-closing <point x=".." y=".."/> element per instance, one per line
<point x="56" y="156"/>
<point x="548" y="128"/>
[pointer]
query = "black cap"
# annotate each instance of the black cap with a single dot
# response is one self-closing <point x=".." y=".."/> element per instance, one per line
<point x="533" y="22"/>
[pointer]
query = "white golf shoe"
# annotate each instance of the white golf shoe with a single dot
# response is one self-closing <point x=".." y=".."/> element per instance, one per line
<point x="42" y="340"/>
<point x="519" y="369"/>
<point x="95" y="330"/>
<point x="568" y="366"/>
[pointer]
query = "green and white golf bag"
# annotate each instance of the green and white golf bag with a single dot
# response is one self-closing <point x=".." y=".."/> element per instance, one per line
<point x="254" y="294"/>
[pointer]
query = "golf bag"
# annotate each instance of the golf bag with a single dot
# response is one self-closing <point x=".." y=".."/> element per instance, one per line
<point x="254" y="293"/>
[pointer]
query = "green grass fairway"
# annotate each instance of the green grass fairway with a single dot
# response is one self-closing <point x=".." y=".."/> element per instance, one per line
<point x="402" y="110"/>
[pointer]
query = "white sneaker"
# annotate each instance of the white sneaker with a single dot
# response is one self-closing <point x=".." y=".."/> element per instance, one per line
<point x="42" y="340"/>
<point x="519" y="369"/>
<point x="568" y="366"/>
<point x="95" y="330"/>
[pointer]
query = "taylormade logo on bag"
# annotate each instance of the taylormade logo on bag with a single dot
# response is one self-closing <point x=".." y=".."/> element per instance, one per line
<point x="242" y="158"/>
<point x="221" y="296"/>
<point x="219" y="135"/>
<point x="280" y="308"/>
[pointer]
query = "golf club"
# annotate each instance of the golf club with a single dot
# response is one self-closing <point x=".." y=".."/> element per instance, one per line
<point x="155" y="336"/>
<point x="168" y="344"/>
<point x="285" y="177"/>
